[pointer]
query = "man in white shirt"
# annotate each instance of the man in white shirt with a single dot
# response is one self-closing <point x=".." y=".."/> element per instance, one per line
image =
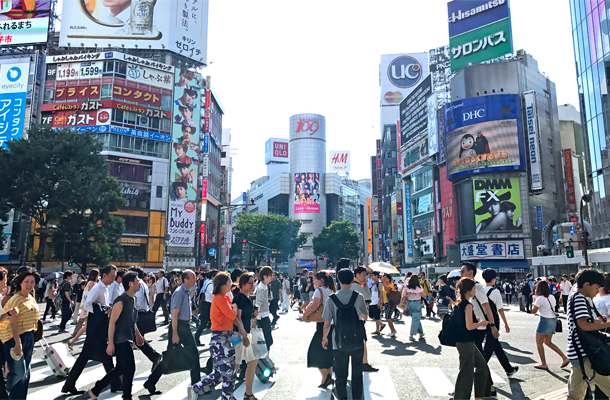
<point x="566" y="288"/>
<point x="115" y="287"/>
<point x="374" y="306"/>
<point x="95" y="344"/>
<point x="141" y="303"/>
<point x="359" y="285"/>
<point x="492" y="345"/>
<point x="162" y="288"/>
<point x="205" y="305"/>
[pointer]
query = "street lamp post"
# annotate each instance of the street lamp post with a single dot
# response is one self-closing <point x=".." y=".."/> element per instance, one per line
<point x="586" y="198"/>
<point x="63" y="254"/>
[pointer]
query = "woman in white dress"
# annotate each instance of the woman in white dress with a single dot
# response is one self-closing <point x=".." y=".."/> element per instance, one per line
<point x="81" y="326"/>
<point x="285" y="293"/>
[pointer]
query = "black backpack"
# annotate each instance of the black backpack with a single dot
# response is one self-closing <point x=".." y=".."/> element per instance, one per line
<point x="494" y="309"/>
<point x="447" y="334"/>
<point x="349" y="330"/>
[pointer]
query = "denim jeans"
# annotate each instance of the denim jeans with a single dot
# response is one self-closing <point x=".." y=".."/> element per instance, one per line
<point x="18" y="378"/>
<point x="414" y="308"/>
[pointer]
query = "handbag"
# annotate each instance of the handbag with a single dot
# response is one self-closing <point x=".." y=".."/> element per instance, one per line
<point x="394" y="298"/>
<point x="315" y="316"/>
<point x="39" y="331"/>
<point x="146" y="322"/>
<point x="558" y="324"/>
<point x="177" y="359"/>
<point x="259" y="346"/>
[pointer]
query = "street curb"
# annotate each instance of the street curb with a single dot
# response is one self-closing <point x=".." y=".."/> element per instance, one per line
<point x="556" y="395"/>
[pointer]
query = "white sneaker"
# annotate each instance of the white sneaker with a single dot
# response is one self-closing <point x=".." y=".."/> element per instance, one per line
<point x="421" y="335"/>
<point x="393" y="334"/>
<point x="411" y="338"/>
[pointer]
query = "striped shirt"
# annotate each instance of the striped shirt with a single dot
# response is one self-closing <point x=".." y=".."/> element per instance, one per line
<point x="28" y="316"/>
<point x="580" y="310"/>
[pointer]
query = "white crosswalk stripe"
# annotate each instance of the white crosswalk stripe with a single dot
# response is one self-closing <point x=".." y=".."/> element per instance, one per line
<point x="434" y="381"/>
<point x="496" y="378"/>
<point x="138" y="384"/>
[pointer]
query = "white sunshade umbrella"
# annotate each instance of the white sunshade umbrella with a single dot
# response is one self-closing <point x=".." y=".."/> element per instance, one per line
<point x="384" y="268"/>
<point x="455" y="274"/>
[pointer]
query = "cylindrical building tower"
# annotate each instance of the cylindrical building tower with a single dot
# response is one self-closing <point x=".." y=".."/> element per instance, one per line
<point x="307" y="169"/>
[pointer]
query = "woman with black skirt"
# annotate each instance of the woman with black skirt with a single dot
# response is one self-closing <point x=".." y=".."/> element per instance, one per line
<point x="317" y="356"/>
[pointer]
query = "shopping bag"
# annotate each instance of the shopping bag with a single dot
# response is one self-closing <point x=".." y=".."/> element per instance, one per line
<point x="259" y="346"/>
<point x="177" y="358"/>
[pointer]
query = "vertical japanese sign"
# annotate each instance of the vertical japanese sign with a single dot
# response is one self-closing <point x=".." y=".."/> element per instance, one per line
<point x="539" y="218"/>
<point x="13" y="91"/>
<point x="407" y="212"/>
<point x="369" y="223"/>
<point x="533" y="140"/>
<point x="567" y="160"/>
<point x="183" y="182"/>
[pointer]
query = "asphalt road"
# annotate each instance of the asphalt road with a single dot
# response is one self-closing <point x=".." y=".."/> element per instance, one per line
<point x="408" y="370"/>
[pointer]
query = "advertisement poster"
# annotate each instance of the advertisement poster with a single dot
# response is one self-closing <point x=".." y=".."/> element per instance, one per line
<point x="177" y="25"/>
<point x="482" y="134"/>
<point x="13" y="90"/>
<point x="307" y="193"/>
<point x="414" y="111"/>
<point x="24" y="21"/>
<point x="399" y="74"/>
<point x="185" y="157"/>
<point x="497" y="205"/>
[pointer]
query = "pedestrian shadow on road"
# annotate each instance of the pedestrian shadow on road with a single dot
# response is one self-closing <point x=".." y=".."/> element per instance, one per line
<point x="507" y="346"/>
<point x="421" y="345"/>
<point x="520" y="359"/>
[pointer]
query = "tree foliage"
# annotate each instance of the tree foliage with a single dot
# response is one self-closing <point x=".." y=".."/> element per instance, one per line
<point x="338" y="240"/>
<point x="60" y="175"/>
<point x="274" y="231"/>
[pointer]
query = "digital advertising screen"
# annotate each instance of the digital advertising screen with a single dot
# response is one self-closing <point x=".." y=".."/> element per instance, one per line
<point x="307" y="192"/>
<point x="24" y="21"/>
<point x="497" y="205"/>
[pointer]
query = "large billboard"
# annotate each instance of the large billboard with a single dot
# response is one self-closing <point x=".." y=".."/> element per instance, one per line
<point x="479" y="30"/>
<point x="276" y="150"/>
<point x="185" y="157"/>
<point x="177" y="25"/>
<point x="307" y="193"/>
<point x="483" y="134"/>
<point x="24" y="21"/>
<point x="533" y="140"/>
<point x="13" y="91"/>
<point x="497" y="205"/>
<point x="399" y="74"/>
<point x="414" y="112"/>
<point x="339" y="161"/>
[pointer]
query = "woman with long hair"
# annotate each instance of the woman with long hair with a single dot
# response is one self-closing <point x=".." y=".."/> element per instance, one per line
<point x="414" y="293"/>
<point x="317" y="356"/>
<point x="222" y="352"/>
<point x="545" y="304"/>
<point x="18" y="333"/>
<point x="445" y="298"/>
<point x="247" y="314"/>
<point x="473" y="366"/>
<point x="50" y="294"/>
<point x="81" y="326"/>
<point x="152" y="288"/>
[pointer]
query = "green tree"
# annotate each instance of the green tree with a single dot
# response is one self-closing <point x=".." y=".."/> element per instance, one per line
<point x="55" y="174"/>
<point x="274" y="231"/>
<point x="338" y="240"/>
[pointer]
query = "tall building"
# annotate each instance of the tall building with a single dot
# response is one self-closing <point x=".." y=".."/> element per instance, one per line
<point x="591" y="56"/>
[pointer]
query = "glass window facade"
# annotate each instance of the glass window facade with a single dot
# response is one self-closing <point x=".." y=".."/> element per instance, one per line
<point x="592" y="59"/>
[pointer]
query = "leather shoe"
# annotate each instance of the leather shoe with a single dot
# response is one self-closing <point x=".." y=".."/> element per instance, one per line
<point x="72" y="391"/>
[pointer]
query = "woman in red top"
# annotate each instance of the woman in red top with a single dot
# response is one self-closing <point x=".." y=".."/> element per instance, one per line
<point x="222" y="352"/>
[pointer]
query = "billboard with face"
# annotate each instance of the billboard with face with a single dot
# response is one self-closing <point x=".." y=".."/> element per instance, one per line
<point x="483" y="134"/>
<point x="176" y="25"/>
<point x="307" y="192"/>
<point x="497" y="205"/>
<point x="185" y="158"/>
<point x="24" y="21"/>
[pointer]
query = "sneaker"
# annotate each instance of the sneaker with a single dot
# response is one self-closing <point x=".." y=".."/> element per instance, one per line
<point x="393" y="334"/>
<point x="369" y="368"/>
<point x="411" y="338"/>
<point x="513" y="372"/>
<point x="199" y="389"/>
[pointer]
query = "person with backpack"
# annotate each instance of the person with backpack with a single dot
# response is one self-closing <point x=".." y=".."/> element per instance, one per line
<point x="544" y="303"/>
<point x="583" y="319"/>
<point x="414" y="294"/>
<point x="492" y="345"/>
<point x="464" y="325"/>
<point x="508" y="292"/>
<point x="346" y="310"/>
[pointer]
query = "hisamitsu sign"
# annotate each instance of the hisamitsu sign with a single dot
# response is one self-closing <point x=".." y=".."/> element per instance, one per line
<point x="492" y="250"/>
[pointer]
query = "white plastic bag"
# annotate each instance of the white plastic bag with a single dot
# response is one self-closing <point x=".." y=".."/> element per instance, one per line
<point x="259" y="346"/>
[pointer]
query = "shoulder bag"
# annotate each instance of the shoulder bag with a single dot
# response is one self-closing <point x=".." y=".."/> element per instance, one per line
<point x="594" y="343"/>
<point x="315" y="316"/>
<point x="394" y="298"/>
<point x="559" y="325"/>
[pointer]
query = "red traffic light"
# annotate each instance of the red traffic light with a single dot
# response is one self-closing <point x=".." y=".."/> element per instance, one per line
<point x="244" y="241"/>
<point x="266" y="261"/>
<point x="324" y="258"/>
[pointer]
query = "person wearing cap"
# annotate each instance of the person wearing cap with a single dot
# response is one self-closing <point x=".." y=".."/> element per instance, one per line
<point x="498" y="221"/>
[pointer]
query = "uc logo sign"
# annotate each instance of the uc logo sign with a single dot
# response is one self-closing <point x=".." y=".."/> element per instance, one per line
<point x="404" y="72"/>
<point x="13" y="74"/>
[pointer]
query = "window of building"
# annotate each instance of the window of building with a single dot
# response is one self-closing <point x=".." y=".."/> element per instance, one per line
<point x="108" y="68"/>
<point x="159" y="192"/>
<point x="49" y="95"/>
<point x="130" y="172"/>
<point x="135" y="225"/>
<point x="121" y="68"/>
<point x="148" y="147"/>
<point x="106" y="91"/>
<point x="166" y="101"/>
<point x="134" y="253"/>
<point x="422" y="179"/>
<point x="422" y="204"/>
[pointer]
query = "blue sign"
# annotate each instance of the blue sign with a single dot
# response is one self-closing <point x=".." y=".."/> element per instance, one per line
<point x="572" y="230"/>
<point x="212" y="252"/>
<point x="539" y="217"/>
<point x="243" y="197"/>
<point x="122" y="131"/>
<point x="407" y="212"/>
<point x="405" y="72"/>
<point x="384" y="249"/>
<point x="12" y="114"/>
<point x="465" y="16"/>
<point x="206" y="144"/>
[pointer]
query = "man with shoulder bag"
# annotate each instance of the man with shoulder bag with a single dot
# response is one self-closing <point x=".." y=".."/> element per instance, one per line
<point x="146" y="318"/>
<point x="584" y="338"/>
<point x="346" y="309"/>
<point x="162" y="288"/>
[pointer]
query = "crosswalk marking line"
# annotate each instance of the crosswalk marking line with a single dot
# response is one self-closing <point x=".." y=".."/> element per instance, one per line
<point x="496" y="378"/>
<point x="40" y="374"/>
<point x="434" y="381"/>
<point x="309" y="389"/>
<point x="259" y="389"/>
<point x="85" y="379"/>
<point x="177" y="392"/>
<point x="379" y="385"/>
<point x="138" y="384"/>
